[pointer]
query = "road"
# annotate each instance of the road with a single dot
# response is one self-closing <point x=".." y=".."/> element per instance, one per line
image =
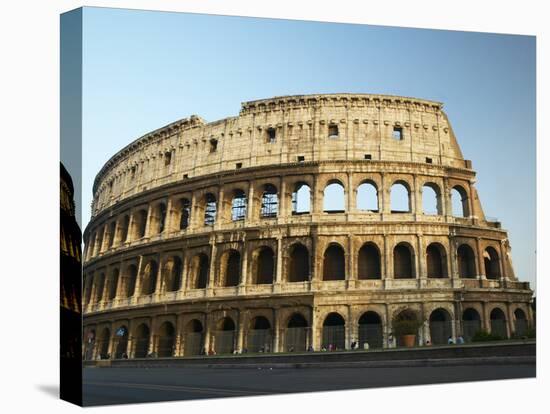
<point x="104" y="386"/>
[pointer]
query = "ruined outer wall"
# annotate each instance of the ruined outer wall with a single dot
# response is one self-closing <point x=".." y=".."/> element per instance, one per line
<point x="365" y="124"/>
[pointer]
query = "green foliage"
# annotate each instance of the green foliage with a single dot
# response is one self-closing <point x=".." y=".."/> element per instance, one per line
<point x="484" y="336"/>
<point x="406" y="327"/>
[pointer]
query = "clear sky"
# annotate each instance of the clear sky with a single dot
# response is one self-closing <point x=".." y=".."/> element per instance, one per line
<point x="143" y="70"/>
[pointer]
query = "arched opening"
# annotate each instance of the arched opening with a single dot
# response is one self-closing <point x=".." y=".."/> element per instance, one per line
<point x="368" y="262"/>
<point x="400" y="198"/>
<point x="166" y="340"/>
<point x="459" y="202"/>
<point x="231" y="262"/>
<point x="149" y="278"/>
<point x="100" y="287"/>
<point x="113" y="284"/>
<point x="102" y="344"/>
<point x="440" y="327"/>
<point x="334" y="332"/>
<point x="224" y="336"/>
<point x="200" y="269"/>
<point x="124" y="228"/>
<point x="131" y="277"/>
<point x="160" y="217"/>
<point x="334" y="198"/>
<point x="431" y="199"/>
<point x="172" y="274"/>
<point x="140" y="223"/>
<point x="238" y="206"/>
<point x="194" y="338"/>
<point x="296" y="333"/>
<point x="436" y="261"/>
<point x="270" y="201"/>
<point x="471" y="324"/>
<point x="89" y="345"/>
<point x="367" y="197"/>
<point x="520" y="323"/>
<point x="403" y="264"/>
<point x="120" y="344"/>
<point x="209" y="209"/>
<point x="498" y="323"/>
<point x="99" y="242"/>
<point x="406" y="323"/>
<point x="141" y="344"/>
<point x="370" y="330"/>
<point x="185" y="213"/>
<point x="492" y="263"/>
<point x="334" y="263"/>
<point x="259" y="337"/>
<point x="299" y="264"/>
<point x="301" y="199"/>
<point x="111" y="234"/>
<point x="265" y="266"/>
<point x="466" y="262"/>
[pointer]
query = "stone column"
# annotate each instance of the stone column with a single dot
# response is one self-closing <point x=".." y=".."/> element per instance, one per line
<point x="240" y="333"/>
<point x="387" y="262"/>
<point x="350" y="199"/>
<point x="169" y="217"/>
<point x="502" y="256"/>
<point x="279" y="265"/>
<point x="276" y="330"/>
<point x="159" y="282"/>
<point x="219" y="209"/>
<point x="137" y="288"/>
<point x="250" y="204"/>
<point x="193" y="218"/>
<point x="420" y="261"/>
<point x="351" y="275"/>
<point x="212" y="267"/>
<point x="148" y="224"/>
<point x="283" y="202"/>
<point x="244" y="270"/>
<point x="479" y="260"/>
<point x="207" y="332"/>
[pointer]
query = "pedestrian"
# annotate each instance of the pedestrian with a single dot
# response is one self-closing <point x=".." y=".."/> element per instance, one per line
<point x="460" y="340"/>
<point x="450" y="341"/>
<point x="366" y="346"/>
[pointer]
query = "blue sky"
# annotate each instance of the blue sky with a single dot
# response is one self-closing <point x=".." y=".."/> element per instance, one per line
<point x="142" y="70"/>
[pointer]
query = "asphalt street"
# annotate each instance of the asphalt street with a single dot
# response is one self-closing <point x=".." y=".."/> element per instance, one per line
<point x="104" y="386"/>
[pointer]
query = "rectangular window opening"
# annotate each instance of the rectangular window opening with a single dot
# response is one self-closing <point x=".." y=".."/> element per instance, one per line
<point x="271" y="135"/>
<point x="397" y="133"/>
<point x="333" y="131"/>
<point x="368" y="156"/>
<point x="238" y="165"/>
<point x="429" y="160"/>
<point x="301" y="158"/>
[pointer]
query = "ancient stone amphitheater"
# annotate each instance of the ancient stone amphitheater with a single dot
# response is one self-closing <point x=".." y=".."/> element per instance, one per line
<point x="305" y="222"/>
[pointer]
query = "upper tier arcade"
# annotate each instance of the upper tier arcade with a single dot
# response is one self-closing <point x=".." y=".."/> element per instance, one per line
<point x="283" y="130"/>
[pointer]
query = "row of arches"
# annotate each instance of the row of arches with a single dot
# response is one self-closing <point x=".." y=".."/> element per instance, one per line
<point x="259" y="335"/>
<point x="152" y="220"/>
<point x="297" y="266"/>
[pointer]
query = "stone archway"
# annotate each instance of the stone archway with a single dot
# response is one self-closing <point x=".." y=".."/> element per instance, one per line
<point x="224" y="336"/>
<point x="334" y="332"/>
<point x="166" y="340"/>
<point x="259" y="337"/>
<point x="194" y="338"/>
<point x="471" y="324"/>
<point x="370" y="330"/>
<point x="440" y="326"/>
<point x="296" y="333"/>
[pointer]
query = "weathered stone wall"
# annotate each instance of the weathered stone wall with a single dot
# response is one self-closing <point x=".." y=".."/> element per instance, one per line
<point x="156" y="259"/>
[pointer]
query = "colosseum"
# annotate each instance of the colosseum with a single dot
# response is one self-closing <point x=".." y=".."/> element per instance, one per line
<point x="305" y="222"/>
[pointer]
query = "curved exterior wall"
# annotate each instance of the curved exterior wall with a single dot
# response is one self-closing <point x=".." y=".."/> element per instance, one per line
<point x="242" y="263"/>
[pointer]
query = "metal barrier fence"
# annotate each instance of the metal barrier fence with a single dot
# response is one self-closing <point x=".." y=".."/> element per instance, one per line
<point x="193" y="343"/>
<point x="521" y="327"/>
<point x="141" y="347"/>
<point x="440" y="332"/>
<point x="371" y="334"/>
<point x="259" y="340"/>
<point x="295" y="339"/>
<point x="469" y="329"/>
<point x="498" y="327"/>
<point x="334" y="337"/>
<point x="120" y="347"/>
<point x="224" y="342"/>
<point x="165" y="346"/>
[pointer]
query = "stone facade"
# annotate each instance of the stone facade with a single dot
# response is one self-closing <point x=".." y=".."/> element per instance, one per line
<point x="218" y="236"/>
